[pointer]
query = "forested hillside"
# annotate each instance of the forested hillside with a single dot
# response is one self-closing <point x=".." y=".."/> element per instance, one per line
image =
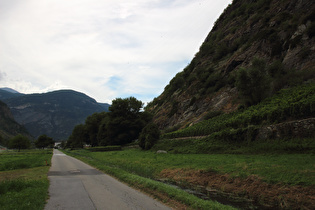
<point x="255" y="49"/>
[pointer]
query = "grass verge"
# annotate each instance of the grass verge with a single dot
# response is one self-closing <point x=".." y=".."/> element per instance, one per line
<point x="207" y="145"/>
<point x="134" y="167"/>
<point x="167" y="194"/>
<point x="23" y="179"/>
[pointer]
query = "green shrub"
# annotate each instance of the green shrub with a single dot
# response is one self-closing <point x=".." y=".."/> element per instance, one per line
<point x="22" y="194"/>
<point x="212" y="114"/>
<point x="253" y="83"/>
<point x="221" y="51"/>
<point x="174" y="108"/>
<point x="19" y="142"/>
<point x="149" y="136"/>
<point x="104" y="149"/>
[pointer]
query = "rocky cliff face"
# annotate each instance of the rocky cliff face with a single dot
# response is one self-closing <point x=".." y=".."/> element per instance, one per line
<point x="280" y="33"/>
<point x="55" y="113"/>
<point x="8" y="126"/>
<point x="295" y="129"/>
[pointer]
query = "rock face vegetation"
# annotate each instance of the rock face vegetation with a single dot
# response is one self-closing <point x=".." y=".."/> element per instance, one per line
<point x="254" y="49"/>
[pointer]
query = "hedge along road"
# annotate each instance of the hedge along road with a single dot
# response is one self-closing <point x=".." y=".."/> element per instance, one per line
<point x="76" y="185"/>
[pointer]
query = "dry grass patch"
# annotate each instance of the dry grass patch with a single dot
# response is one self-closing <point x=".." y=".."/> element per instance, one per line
<point x="251" y="187"/>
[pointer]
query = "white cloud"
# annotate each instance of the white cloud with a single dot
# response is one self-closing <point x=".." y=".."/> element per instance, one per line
<point x="104" y="48"/>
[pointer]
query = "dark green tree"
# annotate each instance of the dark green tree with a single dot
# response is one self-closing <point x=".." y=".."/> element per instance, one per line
<point x="129" y="107"/>
<point x="149" y="135"/>
<point x="19" y="142"/>
<point x="121" y="125"/>
<point x="44" y="141"/>
<point x="102" y="131"/>
<point x="63" y="144"/>
<point x="126" y="120"/>
<point x="78" y="137"/>
<point x="2" y="140"/>
<point x="92" y="124"/>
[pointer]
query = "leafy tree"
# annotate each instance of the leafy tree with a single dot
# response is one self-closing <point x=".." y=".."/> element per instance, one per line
<point x="125" y="121"/>
<point x="2" y="140"/>
<point x="102" y="131"/>
<point x="78" y="137"/>
<point x="19" y="142"/>
<point x="120" y="126"/>
<point x="149" y="135"/>
<point x="92" y="124"/>
<point x="253" y="83"/>
<point x="63" y="144"/>
<point x="44" y="141"/>
<point x="128" y="107"/>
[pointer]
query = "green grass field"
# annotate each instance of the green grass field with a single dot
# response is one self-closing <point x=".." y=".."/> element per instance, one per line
<point x="140" y="168"/>
<point x="287" y="168"/>
<point x="23" y="179"/>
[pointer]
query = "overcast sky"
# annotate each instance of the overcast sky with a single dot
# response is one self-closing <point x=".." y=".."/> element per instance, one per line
<point x="106" y="49"/>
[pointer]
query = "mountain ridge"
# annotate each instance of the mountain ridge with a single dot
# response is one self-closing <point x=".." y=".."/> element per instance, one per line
<point x="9" y="93"/>
<point x="54" y="113"/>
<point x="9" y="90"/>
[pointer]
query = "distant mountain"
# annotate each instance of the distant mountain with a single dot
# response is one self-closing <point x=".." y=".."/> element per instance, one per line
<point x="8" y="93"/>
<point x="9" y="90"/>
<point x="8" y="126"/>
<point x="54" y="113"/>
<point x="105" y="106"/>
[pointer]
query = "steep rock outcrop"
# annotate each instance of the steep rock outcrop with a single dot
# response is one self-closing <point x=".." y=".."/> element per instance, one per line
<point x="294" y="129"/>
<point x="8" y="126"/>
<point x="281" y="33"/>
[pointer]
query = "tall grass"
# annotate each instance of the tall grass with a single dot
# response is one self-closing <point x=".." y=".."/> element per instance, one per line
<point x="274" y="168"/>
<point x="26" y="159"/>
<point x="23" y="194"/>
<point x="131" y="166"/>
<point x="23" y="179"/>
<point x="140" y="169"/>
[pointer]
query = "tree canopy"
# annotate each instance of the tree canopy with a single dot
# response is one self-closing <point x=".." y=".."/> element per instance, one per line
<point x="149" y="135"/>
<point x="44" y="141"/>
<point x="253" y="83"/>
<point x="78" y="137"/>
<point x="19" y="142"/>
<point x="121" y="125"/>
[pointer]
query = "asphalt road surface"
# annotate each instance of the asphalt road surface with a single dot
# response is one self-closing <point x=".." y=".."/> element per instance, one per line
<point x="76" y="185"/>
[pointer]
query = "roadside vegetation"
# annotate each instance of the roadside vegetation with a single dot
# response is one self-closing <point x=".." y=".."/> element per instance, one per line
<point x="23" y="179"/>
<point x="293" y="103"/>
<point x="142" y="169"/>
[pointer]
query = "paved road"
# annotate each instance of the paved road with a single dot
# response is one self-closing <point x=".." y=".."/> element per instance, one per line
<point x="76" y="185"/>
